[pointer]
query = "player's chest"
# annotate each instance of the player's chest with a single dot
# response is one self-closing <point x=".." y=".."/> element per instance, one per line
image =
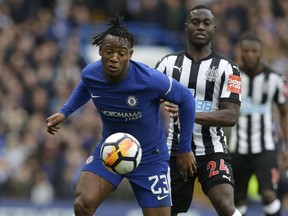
<point x="120" y="99"/>
<point x="257" y="88"/>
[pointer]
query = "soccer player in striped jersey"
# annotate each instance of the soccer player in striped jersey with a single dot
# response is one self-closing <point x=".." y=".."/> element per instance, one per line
<point x="252" y="139"/>
<point x="127" y="96"/>
<point x="215" y="83"/>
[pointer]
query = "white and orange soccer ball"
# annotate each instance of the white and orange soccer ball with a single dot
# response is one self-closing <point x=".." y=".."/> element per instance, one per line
<point x="121" y="153"/>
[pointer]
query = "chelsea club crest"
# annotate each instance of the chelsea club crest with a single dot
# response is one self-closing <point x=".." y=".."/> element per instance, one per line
<point x="132" y="101"/>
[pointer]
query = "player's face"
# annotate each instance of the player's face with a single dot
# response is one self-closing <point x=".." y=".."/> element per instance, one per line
<point x="200" y="27"/>
<point x="251" y="52"/>
<point x="115" y="54"/>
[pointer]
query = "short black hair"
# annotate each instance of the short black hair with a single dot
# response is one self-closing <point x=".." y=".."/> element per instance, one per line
<point x="251" y="37"/>
<point x="197" y="7"/>
<point x="118" y="29"/>
<point x="200" y="7"/>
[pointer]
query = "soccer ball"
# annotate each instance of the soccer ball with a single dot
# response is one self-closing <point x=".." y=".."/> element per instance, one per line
<point x="121" y="153"/>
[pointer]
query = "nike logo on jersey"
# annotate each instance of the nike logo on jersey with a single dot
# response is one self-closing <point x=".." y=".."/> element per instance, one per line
<point x="159" y="197"/>
<point x="95" y="96"/>
<point x="228" y="177"/>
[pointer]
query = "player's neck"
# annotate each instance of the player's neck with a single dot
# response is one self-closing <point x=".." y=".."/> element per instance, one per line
<point x="253" y="71"/>
<point x="198" y="53"/>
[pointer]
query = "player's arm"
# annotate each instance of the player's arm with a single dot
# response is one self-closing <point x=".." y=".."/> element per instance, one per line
<point x="180" y="95"/>
<point x="226" y="116"/>
<point x="283" y="118"/>
<point x="229" y="101"/>
<point x="161" y="67"/>
<point x="280" y="99"/>
<point x="78" y="98"/>
<point x="284" y="122"/>
<point x="164" y="117"/>
<point x="283" y="154"/>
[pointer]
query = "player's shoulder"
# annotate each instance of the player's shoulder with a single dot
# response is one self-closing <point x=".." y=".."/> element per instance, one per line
<point x="145" y="72"/>
<point x="137" y="65"/>
<point x="178" y="53"/>
<point x="226" y="63"/>
<point x="224" y="59"/>
<point x="92" y="67"/>
<point x="272" y="72"/>
<point x="169" y="56"/>
<point x="268" y="69"/>
<point x="141" y="69"/>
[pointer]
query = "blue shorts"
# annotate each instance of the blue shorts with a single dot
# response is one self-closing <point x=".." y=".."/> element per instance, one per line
<point x="150" y="181"/>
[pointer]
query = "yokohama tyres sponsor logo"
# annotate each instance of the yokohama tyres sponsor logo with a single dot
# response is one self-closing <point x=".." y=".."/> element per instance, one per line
<point x="127" y="116"/>
<point x="234" y="84"/>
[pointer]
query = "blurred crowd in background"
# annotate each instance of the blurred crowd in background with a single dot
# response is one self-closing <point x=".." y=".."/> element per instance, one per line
<point x="41" y="58"/>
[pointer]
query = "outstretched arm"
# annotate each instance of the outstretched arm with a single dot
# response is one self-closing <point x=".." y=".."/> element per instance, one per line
<point x="78" y="98"/>
<point x="53" y="123"/>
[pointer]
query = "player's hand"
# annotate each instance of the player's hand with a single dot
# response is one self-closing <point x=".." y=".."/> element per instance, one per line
<point x="173" y="109"/>
<point x="53" y="122"/>
<point x="162" y="101"/>
<point x="187" y="164"/>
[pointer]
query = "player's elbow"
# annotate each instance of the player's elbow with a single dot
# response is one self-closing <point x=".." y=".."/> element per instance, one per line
<point x="231" y="120"/>
<point x="231" y="114"/>
<point x="231" y="123"/>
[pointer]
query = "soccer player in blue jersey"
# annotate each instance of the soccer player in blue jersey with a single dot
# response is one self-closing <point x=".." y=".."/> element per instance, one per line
<point x="127" y="95"/>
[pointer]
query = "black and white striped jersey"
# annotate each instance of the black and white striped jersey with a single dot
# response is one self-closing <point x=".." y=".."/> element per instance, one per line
<point x="254" y="131"/>
<point x="211" y="80"/>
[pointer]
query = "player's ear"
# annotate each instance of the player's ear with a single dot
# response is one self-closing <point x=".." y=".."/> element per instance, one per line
<point x="185" y="26"/>
<point x="131" y="53"/>
<point x="100" y="50"/>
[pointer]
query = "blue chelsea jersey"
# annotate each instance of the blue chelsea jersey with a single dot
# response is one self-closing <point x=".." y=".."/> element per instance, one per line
<point x="132" y="106"/>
